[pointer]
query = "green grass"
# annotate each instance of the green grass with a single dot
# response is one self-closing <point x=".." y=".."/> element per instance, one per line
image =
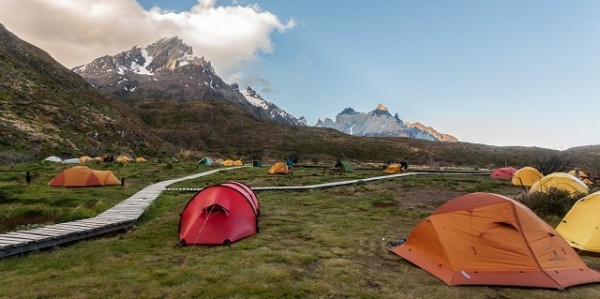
<point x="23" y="206"/>
<point x="322" y="243"/>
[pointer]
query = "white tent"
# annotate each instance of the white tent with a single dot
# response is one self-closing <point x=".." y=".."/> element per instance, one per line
<point x="54" y="159"/>
<point x="71" y="161"/>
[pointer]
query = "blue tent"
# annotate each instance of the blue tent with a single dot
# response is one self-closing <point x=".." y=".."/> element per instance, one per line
<point x="205" y="161"/>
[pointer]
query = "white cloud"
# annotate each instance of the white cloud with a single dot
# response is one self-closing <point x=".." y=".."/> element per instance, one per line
<point x="77" y="31"/>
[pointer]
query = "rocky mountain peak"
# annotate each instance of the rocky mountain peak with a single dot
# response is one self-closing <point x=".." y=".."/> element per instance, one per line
<point x="380" y="123"/>
<point x="380" y="107"/>
<point x="168" y="69"/>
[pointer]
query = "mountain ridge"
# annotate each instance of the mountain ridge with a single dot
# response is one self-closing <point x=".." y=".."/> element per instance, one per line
<point x="380" y="123"/>
<point x="168" y="69"/>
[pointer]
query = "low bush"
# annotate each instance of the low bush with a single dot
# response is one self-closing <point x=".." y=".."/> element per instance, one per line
<point x="553" y="202"/>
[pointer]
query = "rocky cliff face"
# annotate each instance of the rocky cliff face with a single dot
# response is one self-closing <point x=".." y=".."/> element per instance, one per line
<point x="168" y="69"/>
<point x="380" y="123"/>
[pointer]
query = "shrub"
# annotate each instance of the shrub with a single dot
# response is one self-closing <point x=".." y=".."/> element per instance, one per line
<point x="553" y="202"/>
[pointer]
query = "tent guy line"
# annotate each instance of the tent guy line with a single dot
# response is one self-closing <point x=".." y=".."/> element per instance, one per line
<point x="121" y="216"/>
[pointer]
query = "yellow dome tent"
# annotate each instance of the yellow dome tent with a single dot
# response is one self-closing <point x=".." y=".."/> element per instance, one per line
<point x="279" y="168"/>
<point x="140" y="160"/>
<point x="124" y="159"/>
<point x="580" y="225"/>
<point x="238" y="163"/>
<point x="581" y="177"/>
<point x="560" y="180"/>
<point x="526" y="176"/>
<point x="228" y="163"/>
<point x="393" y="168"/>
<point x="84" y="159"/>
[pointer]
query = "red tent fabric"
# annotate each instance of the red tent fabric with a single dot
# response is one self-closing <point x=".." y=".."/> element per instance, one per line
<point x="220" y="214"/>
<point x="505" y="173"/>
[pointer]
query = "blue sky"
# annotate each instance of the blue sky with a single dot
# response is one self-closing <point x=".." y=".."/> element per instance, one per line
<point x="494" y="72"/>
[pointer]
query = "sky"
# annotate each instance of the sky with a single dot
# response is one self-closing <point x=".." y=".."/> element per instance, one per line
<point x="495" y="72"/>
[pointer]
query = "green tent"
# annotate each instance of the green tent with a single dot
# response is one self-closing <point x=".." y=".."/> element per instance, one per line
<point x="345" y="166"/>
<point x="205" y="161"/>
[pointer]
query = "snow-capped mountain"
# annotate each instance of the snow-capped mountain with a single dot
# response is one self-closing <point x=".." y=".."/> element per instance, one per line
<point x="168" y="69"/>
<point x="380" y="123"/>
<point x="276" y="113"/>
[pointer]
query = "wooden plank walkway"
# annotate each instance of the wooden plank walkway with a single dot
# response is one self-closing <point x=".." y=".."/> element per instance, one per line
<point x="121" y="216"/>
<point x="340" y="183"/>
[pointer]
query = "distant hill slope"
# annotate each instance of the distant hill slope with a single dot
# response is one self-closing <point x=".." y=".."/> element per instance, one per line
<point x="47" y="109"/>
<point x="226" y="131"/>
<point x="380" y="123"/>
<point x="168" y="69"/>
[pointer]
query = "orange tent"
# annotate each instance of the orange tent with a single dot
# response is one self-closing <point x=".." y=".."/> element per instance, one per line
<point x="393" y="168"/>
<point x="279" y="168"/>
<point x="81" y="176"/>
<point x="238" y="163"/>
<point x="488" y="239"/>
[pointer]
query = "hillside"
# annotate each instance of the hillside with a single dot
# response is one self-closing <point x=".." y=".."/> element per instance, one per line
<point x="224" y="130"/>
<point x="47" y="109"/>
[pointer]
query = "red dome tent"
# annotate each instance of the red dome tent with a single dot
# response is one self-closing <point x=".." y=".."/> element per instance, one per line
<point x="505" y="173"/>
<point x="220" y="214"/>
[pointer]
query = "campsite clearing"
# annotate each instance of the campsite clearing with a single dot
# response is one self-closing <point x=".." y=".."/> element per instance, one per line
<point x="325" y="243"/>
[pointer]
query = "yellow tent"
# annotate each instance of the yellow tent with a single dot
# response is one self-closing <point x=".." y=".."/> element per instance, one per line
<point x="526" y="176"/>
<point x="560" y="180"/>
<point x="279" y="168"/>
<point x="582" y="174"/>
<point x="84" y="159"/>
<point x="238" y="163"/>
<point x="393" y="168"/>
<point x="580" y="225"/>
<point x="124" y="159"/>
<point x="228" y="163"/>
<point x="140" y="160"/>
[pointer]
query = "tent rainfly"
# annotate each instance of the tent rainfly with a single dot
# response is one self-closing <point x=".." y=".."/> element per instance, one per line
<point x="82" y="176"/>
<point x="560" y="180"/>
<point x="489" y="239"/>
<point x="221" y="214"/>
<point x="526" y="176"/>
<point x="580" y="225"/>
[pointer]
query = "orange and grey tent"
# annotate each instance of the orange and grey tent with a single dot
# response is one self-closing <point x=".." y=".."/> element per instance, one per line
<point x="489" y="239"/>
<point x="582" y="177"/>
<point x="505" y="173"/>
<point x="562" y="181"/>
<point x="526" y="176"/>
<point x="140" y="160"/>
<point x="124" y="159"/>
<point x="220" y="214"/>
<point x="81" y="176"/>
<point x="238" y="163"/>
<point x="393" y="168"/>
<point x="279" y="168"/>
<point x="228" y="163"/>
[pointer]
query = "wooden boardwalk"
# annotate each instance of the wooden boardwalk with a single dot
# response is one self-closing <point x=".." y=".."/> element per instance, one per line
<point x="340" y="183"/>
<point x="121" y="216"/>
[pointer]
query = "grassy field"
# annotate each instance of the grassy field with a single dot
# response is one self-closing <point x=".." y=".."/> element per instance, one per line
<point x="324" y="243"/>
<point x="23" y="206"/>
